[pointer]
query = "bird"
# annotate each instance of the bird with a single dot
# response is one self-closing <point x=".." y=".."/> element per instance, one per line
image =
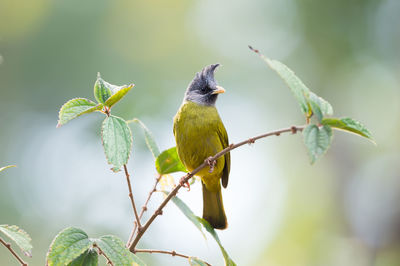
<point x="199" y="133"/>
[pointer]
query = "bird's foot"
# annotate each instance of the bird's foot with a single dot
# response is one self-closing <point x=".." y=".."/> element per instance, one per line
<point x="184" y="183"/>
<point x="211" y="162"/>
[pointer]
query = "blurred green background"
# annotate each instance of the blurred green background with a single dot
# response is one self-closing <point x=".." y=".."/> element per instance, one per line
<point x="344" y="210"/>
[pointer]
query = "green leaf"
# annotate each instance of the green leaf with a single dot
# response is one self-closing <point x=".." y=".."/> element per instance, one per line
<point x="325" y="106"/>
<point x="210" y="229"/>
<point x="187" y="212"/>
<point x="309" y="102"/>
<point x="87" y="258"/>
<point x="316" y="110"/>
<point x="5" y="167"/>
<point x="102" y="90"/>
<point x="198" y="222"/>
<point x="149" y="138"/>
<point x="116" y="252"/>
<point x="19" y="236"/>
<point x="76" y="107"/>
<point x="193" y="261"/>
<point x="68" y="245"/>
<point x="349" y="125"/>
<point x="299" y="90"/>
<point x="118" y="94"/>
<point x="117" y="141"/>
<point x="168" y="162"/>
<point x="317" y="140"/>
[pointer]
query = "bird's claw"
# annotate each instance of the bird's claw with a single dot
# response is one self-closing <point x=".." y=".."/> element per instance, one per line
<point x="211" y="162"/>
<point x="184" y="183"/>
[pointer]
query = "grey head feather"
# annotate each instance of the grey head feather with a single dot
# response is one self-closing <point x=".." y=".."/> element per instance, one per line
<point x="200" y="89"/>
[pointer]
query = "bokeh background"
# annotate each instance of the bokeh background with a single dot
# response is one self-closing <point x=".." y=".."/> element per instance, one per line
<point x="344" y="210"/>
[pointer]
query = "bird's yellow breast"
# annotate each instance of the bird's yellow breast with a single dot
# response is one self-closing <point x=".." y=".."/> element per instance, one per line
<point x="196" y="133"/>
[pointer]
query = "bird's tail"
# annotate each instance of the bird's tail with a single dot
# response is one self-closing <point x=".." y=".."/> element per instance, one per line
<point x="213" y="208"/>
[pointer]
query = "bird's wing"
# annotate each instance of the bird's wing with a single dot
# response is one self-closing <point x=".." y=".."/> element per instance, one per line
<point x="223" y="136"/>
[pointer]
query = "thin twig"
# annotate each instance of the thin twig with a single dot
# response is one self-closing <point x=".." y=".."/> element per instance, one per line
<point x="8" y="246"/>
<point x="131" y="196"/>
<point x="101" y="253"/>
<point x="158" y="211"/>
<point x="144" y="208"/>
<point x="172" y="253"/>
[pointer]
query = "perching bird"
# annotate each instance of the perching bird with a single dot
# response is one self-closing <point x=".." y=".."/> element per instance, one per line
<point x="199" y="134"/>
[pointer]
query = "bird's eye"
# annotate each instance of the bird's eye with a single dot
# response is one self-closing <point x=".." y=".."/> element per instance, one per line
<point x="203" y="89"/>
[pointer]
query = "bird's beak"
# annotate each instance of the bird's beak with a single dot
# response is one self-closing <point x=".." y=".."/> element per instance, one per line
<point x="218" y="90"/>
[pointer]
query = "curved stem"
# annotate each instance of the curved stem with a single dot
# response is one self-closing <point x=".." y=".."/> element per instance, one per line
<point x="144" y="208"/>
<point x="8" y="246"/>
<point x="101" y="253"/>
<point x="131" y="197"/>
<point x="207" y="161"/>
<point x="172" y="253"/>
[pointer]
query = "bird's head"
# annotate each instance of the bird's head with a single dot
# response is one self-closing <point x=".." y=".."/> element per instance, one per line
<point x="204" y="89"/>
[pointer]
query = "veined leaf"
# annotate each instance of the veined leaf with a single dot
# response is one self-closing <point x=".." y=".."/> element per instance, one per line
<point x="76" y="107"/>
<point x="117" y="141"/>
<point x="87" y="258"/>
<point x="109" y="94"/>
<point x="349" y="125"/>
<point x="316" y="110"/>
<point x="187" y="212"/>
<point x="19" y="236"/>
<point x="68" y="245"/>
<point x="149" y="138"/>
<point x="116" y="252"/>
<point x="210" y="229"/>
<point x="309" y="102"/>
<point x="118" y="94"/>
<point x="5" y="167"/>
<point x="168" y="162"/>
<point x="193" y="261"/>
<point x="317" y="140"/>
<point x="102" y="90"/>
<point x="299" y="90"/>
<point x="325" y="106"/>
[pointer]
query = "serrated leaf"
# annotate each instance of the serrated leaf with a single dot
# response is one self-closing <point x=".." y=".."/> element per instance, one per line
<point x="187" y="212"/>
<point x="76" y="107"/>
<point x="316" y="110"/>
<point x="193" y="261"/>
<point x="102" y="90"/>
<point x="317" y="140"/>
<point x="149" y="138"/>
<point x="5" y="167"/>
<point x="87" y="258"/>
<point x="210" y="229"/>
<point x="309" y="102"/>
<point x="324" y="105"/>
<point x="168" y="162"/>
<point x="349" y="125"/>
<point x="68" y="245"/>
<point x="299" y="90"/>
<point x="117" y="141"/>
<point x="116" y="252"/>
<point x="118" y="94"/>
<point x="19" y="236"/>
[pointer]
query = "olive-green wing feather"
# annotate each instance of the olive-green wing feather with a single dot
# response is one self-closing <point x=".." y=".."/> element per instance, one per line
<point x="223" y="136"/>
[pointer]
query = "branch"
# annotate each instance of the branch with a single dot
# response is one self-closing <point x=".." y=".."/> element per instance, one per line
<point x="8" y="246"/>
<point x="101" y="253"/>
<point x="172" y="253"/>
<point x="144" y="208"/>
<point x="131" y="196"/>
<point x="208" y="161"/>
